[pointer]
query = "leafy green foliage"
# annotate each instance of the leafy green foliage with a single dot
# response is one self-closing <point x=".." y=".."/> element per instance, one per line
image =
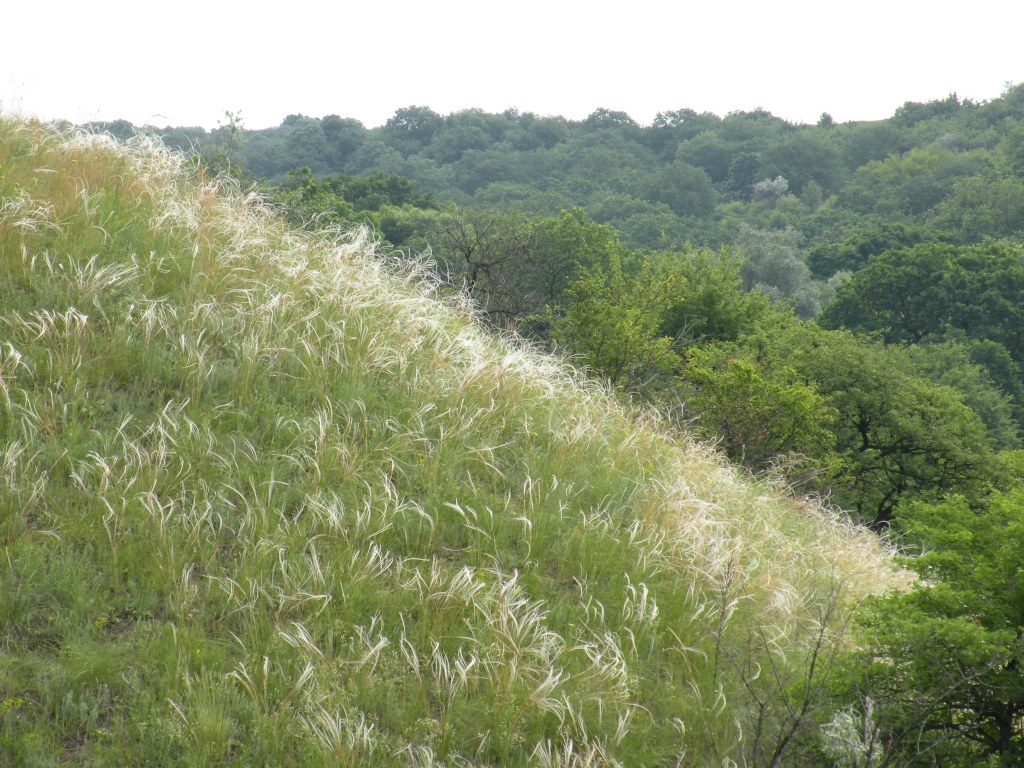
<point x="776" y="267"/>
<point x="389" y="205"/>
<point x="711" y="304"/>
<point x="764" y="418"/>
<point x="857" y="248"/>
<point x="953" y="365"/>
<point x="921" y="292"/>
<point x="412" y="128"/>
<point x="861" y="143"/>
<point x="612" y="321"/>
<point x="568" y="243"/>
<point x="671" y="128"/>
<point x="686" y="190"/>
<point x="891" y="432"/>
<point x="804" y="157"/>
<point x="903" y="435"/>
<point x="981" y="207"/>
<point x="911" y="183"/>
<point x="946" y="656"/>
<point x="906" y="435"/>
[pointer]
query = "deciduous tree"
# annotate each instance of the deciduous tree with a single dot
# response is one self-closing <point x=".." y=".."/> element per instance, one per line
<point x="946" y="659"/>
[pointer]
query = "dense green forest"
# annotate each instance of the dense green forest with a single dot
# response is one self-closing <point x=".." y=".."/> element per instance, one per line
<point x="838" y="307"/>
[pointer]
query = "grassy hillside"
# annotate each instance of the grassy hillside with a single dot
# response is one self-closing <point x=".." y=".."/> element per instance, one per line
<point x="266" y="500"/>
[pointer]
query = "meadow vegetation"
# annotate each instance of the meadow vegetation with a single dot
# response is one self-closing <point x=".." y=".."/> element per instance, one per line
<point x="267" y="497"/>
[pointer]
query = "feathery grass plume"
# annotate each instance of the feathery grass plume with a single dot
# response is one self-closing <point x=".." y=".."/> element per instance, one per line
<point x="268" y="497"/>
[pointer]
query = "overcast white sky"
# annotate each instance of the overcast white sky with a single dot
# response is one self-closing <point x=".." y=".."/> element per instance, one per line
<point x="185" y="62"/>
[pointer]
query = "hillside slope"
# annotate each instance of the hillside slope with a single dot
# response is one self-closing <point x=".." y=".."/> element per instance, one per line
<point x="265" y="499"/>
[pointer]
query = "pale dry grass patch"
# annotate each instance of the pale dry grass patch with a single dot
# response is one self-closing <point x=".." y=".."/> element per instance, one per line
<point x="25" y="214"/>
<point x="573" y="755"/>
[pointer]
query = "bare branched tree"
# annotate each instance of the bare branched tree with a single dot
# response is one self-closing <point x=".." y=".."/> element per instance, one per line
<point x="492" y="256"/>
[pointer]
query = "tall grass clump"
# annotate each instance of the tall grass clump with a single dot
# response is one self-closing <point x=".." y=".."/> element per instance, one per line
<point x="266" y="499"/>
